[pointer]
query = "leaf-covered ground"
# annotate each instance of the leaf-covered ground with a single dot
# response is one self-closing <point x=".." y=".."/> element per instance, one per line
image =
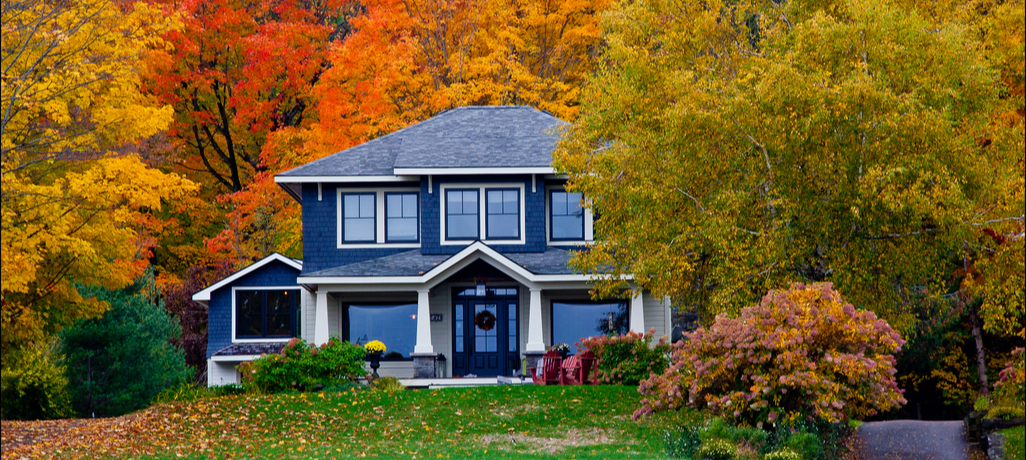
<point x="485" y="422"/>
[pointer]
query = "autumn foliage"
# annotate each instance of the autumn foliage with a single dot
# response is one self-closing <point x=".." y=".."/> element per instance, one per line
<point x="801" y="352"/>
<point x="627" y="359"/>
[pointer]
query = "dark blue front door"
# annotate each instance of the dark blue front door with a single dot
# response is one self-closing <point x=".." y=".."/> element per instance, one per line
<point x="485" y="337"/>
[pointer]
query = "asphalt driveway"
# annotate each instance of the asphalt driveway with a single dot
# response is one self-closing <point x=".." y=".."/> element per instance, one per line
<point x="914" y="440"/>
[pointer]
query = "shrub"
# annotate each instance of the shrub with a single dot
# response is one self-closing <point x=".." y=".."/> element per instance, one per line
<point x="387" y="384"/>
<point x="1010" y="391"/>
<point x="682" y="442"/>
<point x="805" y="444"/>
<point x="629" y="358"/>
<point x="305" y="367"/>
<point x="716" y="449"/>
<point x="783" y="454"/>
<point x="33" y="385"/>
<point x="119" y="362"/>
<point x="800" y="352"/>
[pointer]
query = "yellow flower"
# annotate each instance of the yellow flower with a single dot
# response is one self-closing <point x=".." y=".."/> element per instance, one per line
<point x="374" y="346"/>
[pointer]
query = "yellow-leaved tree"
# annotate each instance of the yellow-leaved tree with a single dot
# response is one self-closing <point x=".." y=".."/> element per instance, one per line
<point x="77" y="196"/>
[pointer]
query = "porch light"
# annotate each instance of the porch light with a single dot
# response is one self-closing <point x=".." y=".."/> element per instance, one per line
<point x="480" y="291"/>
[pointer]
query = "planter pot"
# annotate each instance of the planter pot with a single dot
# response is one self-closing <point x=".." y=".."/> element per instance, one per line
<point x="375" y="362"/>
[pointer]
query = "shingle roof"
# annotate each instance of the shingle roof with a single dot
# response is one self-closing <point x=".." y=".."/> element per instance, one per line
<point x="413" y="263"/>
<point x="465" y="137"/>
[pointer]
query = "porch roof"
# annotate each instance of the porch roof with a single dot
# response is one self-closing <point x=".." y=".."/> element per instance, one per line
<point x="412" y="263"/>
<point x="250" y="349"/>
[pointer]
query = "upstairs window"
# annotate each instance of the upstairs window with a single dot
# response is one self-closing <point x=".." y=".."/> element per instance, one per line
<point x="401" y="224"/>
<point x="503" y="214"/>
<point x="461" y="215"/>
<point x="271" y="314"/>
<point x="358" y="218"/>
<point x="567" y="218"/>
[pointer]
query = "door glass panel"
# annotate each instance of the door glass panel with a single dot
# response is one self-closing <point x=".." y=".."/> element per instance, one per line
<point x="459" y="328"/>
<point x="512" y="327"/>
<point x="486" y="341"/>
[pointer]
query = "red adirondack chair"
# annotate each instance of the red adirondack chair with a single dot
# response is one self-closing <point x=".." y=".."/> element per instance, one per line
<point x="580" y="369"/>
<point x="547" y="370"/>
<point x="589" y="368"/>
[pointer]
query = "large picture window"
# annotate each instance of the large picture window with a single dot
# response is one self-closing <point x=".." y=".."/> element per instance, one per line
<point x="567" y="216"/>
<point x="358" y="218"/>
<point x="401" y="224"/>
<point x="572" y="321"/>
<point x="266" y="313"/>
<point x="395" y="325"/>
<point x="503" y="214"/>
<point x="461" y="215"/>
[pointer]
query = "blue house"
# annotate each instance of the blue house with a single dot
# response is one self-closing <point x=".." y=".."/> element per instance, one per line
<point x="447" y="240"/>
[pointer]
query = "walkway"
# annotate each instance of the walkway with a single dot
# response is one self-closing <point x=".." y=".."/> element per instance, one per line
<point x="914" y="440"/>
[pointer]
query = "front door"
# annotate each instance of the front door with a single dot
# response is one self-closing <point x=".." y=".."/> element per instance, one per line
<point x="485" y="334"/>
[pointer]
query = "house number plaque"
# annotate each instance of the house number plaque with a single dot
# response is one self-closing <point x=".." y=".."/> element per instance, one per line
<point x="436" y="317"/>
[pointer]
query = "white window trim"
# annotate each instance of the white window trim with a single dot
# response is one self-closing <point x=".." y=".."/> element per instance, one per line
<point x="379" y="218"/>
<point x="589" y="228"/>
<point x="482" y="202"/>
<point x="235" y="338"/>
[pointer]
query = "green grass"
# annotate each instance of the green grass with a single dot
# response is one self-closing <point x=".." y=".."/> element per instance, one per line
<point x="545" y="421"/>
<point x="1014" y="441"/>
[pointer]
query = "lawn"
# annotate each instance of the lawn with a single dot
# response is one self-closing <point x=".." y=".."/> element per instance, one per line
<point x="485" y="422"/>
<point x="1014" y="443"/>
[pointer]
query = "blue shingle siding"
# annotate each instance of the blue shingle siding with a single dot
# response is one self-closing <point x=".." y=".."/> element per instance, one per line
<point x="219" y="326"/>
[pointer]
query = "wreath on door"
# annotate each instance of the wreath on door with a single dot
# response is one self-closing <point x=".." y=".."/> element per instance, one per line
<point x="484" y="320"/>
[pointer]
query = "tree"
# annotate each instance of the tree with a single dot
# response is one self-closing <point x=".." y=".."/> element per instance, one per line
<point x="730" y="148"/>
<point x="117" y="363"/>
<point x="77" y="199"/>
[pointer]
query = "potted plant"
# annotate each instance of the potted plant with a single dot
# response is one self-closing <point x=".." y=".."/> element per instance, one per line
<point x="562" y="348"/>
<point x="374" y="350"/>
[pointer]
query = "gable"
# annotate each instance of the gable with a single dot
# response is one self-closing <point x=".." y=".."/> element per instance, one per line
<point x="273" y="270"/>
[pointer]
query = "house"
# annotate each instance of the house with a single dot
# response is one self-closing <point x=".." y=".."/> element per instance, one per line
<point x="447" y="240"/>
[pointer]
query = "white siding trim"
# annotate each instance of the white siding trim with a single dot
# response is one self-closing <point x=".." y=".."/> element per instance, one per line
<point x="204" y="295"/>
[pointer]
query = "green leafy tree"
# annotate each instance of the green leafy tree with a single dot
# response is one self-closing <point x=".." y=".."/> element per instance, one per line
<point x="117" y="363"/>
<point x="733" y="147"/>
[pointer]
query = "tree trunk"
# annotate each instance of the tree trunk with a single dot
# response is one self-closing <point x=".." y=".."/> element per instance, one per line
<point x="981" y="359"/>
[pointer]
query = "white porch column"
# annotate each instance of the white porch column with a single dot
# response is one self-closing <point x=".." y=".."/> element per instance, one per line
<point x="534" y="324"/>
<point x="423" y="323"/>
<point x="638" y="312"/>
<point x="321" y="318"/>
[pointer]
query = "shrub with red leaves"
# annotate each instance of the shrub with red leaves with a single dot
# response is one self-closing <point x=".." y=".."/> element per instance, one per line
<point x="802" y="352"/>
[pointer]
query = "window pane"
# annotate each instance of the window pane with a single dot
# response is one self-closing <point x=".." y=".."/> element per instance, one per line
<point x="359" y="230"/>
<point x="394" y="325"/>
<point x="559" y="203"/>
<point x="402" y="229"/>
<point x="453" y="202"/>
<point x="510" y="202"/>
<point x="367" y="206"/>
<point x="248" y="314"/>
<point x="470" y="202"/>
<point x="410" y="205"/>
<point x="572" y="321"/>
<point x="567" y="228"/>
<point x="495" y="202"/>
<point x="503" y="226"/>
<point x="462" y="227"/>
<point x="351" y="203"/>
<point x="394" y="205"/>
<point x="279" y="313"/>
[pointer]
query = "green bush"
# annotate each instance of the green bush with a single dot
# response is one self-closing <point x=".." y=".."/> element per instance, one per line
<point x="387" y="384"/>
<point x="1005" y="412"/>
<point x="33" y="385"/>
<point x="806" y="445"/>
<point x="783" y="454"/>
<point x="628" y="358"/>
<point x="119" y="362"/>
<point x="682" y="442"/>
<point x="305" y="367"/>
<point x="716" y="449"/>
